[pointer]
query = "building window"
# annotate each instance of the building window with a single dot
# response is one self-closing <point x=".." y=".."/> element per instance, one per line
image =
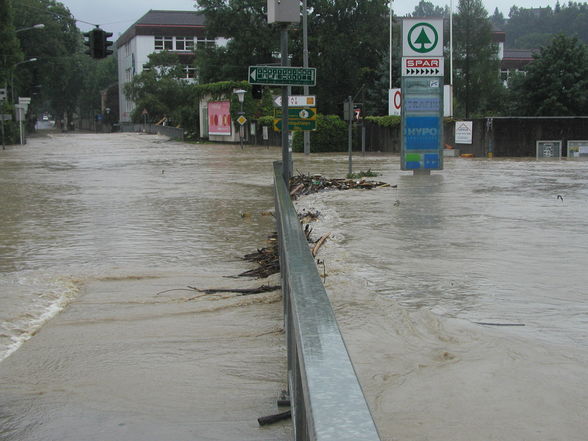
<point x="164" y="43"/>
<point x="189" y="72"/>
<point x="202" y="43"/>
<point x="184" y="43"/>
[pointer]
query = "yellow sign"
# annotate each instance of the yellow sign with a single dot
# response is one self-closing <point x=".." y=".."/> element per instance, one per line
<point x="241" y="120"/>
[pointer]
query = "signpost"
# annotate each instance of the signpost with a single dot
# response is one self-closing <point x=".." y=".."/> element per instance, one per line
<point x="282" y="76"/>
<point x="299" y="118"/>
<point x="297" y="100"/>
<point x="423" y="67"/>
<point x="464" y="132"/>
<point x="422" y="95"/>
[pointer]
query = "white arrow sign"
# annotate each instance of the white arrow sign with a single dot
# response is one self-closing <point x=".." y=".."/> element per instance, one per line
<point x="297" y="101"/>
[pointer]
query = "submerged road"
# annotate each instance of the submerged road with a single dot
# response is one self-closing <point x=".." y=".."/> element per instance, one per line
<point x="101" y="339"/>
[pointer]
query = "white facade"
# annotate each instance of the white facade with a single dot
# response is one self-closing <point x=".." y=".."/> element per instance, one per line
<point x="179" y="32"/>
<point x="131" y="58"/>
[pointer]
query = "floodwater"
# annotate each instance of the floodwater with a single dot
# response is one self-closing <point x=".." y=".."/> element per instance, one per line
<point x="461" y="296"/>
<point x="100" y="336"/>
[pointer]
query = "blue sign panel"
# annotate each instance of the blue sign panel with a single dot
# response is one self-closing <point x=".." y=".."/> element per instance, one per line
<point x="422" y="104"/>
<point x="422" y="133"/>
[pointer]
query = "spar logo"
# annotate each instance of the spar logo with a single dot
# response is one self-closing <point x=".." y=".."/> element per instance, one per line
<point x="423" y="38"/>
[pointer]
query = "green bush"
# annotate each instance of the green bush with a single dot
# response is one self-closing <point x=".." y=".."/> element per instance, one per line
<point x="330" y="136"/>
<point x="384" y="121"/>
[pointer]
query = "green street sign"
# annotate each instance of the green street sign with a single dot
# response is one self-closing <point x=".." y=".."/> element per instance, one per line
<point x="282" y="76"/>
<point x="296" y="124"/>
<point x="308" y="113"/>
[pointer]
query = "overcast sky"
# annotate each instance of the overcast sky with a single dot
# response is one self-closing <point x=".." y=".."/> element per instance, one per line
<point x="117" y="15"/>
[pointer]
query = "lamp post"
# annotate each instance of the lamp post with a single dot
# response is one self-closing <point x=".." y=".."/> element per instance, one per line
<point x="37" y="26"/>
<point x="241" y="96"/>
<point x="30" y="60"/>
<point x="20" y="110"/>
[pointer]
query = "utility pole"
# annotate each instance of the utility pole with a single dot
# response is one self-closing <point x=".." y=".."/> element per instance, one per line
<point x="305" y="64"/>
<point x="286" y="155"/>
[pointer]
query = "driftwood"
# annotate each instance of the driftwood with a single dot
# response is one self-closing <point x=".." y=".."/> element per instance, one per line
<point x="301" y="185"/>
<point x="319" y="243"/>
<point x="267" y="260"/>
<point x="263" y="421"/>
<point x="241" y="291"/>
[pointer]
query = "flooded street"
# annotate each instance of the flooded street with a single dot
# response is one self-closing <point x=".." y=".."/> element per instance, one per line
<point x="461" y="296"/>
<point x="100" y="336"/>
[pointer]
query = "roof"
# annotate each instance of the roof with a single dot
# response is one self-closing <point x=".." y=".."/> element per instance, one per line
<point x="519" y="54"/>
<point x="157" y="21"/>
<point x="172" y="18"/>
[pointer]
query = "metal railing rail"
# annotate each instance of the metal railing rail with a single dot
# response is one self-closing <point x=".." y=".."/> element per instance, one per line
<point x="326" y="398"/>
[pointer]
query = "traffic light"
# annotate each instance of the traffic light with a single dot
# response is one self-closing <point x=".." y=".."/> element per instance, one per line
<point x="106" y="44"/>
<point x="257" y="91"/>
<point x="89" y="42"/>
<point x="98" y="48"/>
<point x="98" y="44"/>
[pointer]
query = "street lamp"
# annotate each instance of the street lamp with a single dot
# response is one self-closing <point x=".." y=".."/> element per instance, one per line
<point x="241" y="96"/>
<point x="30" y="60"/>
<point x="37" y="26"/>
<point x="19" y="110"/>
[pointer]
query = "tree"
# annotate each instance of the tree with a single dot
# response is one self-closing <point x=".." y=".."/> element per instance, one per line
<point x="347" y="42"/>
<point x="9" y="47"/>
<point x="428" y="9"/>
<point x="160" y="90"/>
<point x="57" y="75"/>
<point x="252" y="40"/>
<point x="556" y="83"/>
<point x="498" y="19"/>
<point x="476" y="62"/>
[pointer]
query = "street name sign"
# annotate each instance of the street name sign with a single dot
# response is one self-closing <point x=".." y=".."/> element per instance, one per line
<point x="298" y="113"/>
<point x="282" y="76"/>
<point x="422" y="37"/>
<point x="423" y="67"/>
<point x="296" y="124"/>
<point x="296" y="100"/>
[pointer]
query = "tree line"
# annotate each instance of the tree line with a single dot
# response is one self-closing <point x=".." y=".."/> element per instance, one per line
<point x="348" y="44"/>
<point x="47" y="63"/>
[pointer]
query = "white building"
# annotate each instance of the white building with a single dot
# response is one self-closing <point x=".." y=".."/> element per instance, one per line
<point x="181" y="32"/>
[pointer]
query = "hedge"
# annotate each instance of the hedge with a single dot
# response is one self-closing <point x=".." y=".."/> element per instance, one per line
<point x="330" y="136"/>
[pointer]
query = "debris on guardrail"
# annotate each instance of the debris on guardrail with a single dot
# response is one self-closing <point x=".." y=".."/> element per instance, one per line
<point x="267" y="260"/>
<point x="301" y="185"/>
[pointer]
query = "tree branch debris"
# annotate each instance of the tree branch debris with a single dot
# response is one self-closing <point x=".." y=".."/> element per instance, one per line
<point x="302" y="185"/>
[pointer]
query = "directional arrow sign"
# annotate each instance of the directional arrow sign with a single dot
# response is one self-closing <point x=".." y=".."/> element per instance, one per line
<point x="423" y="67"/>
<point x="282" y="76"/>
<point x="296" y="100"/>
<point x="298" y="113"/>
<point x="297" y="124"/>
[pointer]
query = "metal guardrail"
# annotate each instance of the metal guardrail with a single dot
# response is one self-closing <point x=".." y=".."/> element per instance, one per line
<point x="172" y="132"/>
<point x="326" y="398"/>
